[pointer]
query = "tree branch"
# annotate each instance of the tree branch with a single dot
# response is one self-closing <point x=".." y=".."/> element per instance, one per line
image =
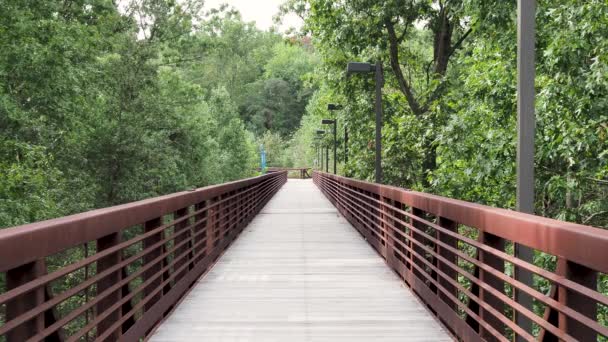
<point x="601" y="181"/>
<point x="590" y="217"/>
<point x="458" y="44"/>
<point x="404" y="86"/>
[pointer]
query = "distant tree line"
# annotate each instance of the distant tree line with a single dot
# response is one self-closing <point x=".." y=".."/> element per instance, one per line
<point x="105" y="102"/>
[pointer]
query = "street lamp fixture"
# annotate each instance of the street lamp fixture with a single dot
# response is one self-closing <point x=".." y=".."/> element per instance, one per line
<point x="360" y="68"/>
<point x="335" y="123"/>
<point x="367" y="68"/>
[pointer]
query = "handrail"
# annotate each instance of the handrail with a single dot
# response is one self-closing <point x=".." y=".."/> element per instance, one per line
<point x="454" y="255"/>
<point x="125" y="266"/>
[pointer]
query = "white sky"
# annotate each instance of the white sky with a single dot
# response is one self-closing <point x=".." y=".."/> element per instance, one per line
<point x="260" y="11"/>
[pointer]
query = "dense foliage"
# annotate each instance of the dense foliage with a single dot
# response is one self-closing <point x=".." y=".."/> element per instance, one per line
<point x="450" y="97"/>
<point x="450" y="101"/>
<point x="105" y="102"/>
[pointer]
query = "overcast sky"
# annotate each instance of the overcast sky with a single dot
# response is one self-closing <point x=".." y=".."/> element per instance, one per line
<point x="260" y="11"/>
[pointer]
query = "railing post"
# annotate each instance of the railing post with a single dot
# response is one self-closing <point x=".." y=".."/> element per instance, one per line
<point x="232" y="208"/>
<point x="420" y="238"/>
<point x="199" y="230"/>
<point x="487" y="278"/>
<point x="211" y="224"/>
<point x="22" y="304"/>
<point x="574" y="300"/>
<point x="404" y="256"/>
<point x="451" y="258"/>
<point x="378" y="219"/>
<point x="103" y="264"/>
<point x="240" y="213"/>
<point x="179" y="227"/>
<point x="148" y="258"/>
<point x="391" y="257"/>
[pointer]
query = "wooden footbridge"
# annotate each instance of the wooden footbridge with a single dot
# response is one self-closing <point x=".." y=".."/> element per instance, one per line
<point x="328" y="259"/>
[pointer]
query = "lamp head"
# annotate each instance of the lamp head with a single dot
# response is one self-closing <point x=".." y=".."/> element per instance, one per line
<point x="328" y="121"/>
<point x="333" y="106"/>
<point x="360" y="68"/>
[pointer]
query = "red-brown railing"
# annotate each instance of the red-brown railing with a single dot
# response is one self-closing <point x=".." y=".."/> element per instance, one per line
<point x="114" y="273"/>
<point x="458" y="258"/>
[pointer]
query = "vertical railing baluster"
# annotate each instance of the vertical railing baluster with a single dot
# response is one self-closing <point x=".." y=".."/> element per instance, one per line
<point x="487" y="278"/>
<point x="419" y="252"/>
<point x="451" y="258"/>
<point x="86" y="292"/>
<point x="574" y="300"/>
<point x="200" y="232"/>
<point x="149" y="257"/>
<point x="103" y="264"/>
<point x="179" y="227"/>
<point x="390" y="234"/>
<point x="211" y="218"/>
<point x="399" y="218"/>
<point x="22" y="304"/>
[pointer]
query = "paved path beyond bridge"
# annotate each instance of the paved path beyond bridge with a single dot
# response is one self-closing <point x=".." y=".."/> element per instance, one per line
<point x="300" y="272"/>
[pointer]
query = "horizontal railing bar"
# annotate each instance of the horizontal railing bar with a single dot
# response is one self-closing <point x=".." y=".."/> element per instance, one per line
<point x="15" y="322"/>
<point x="544" y="299"/>
<point x="541" y="233"/>
<point x="56" y="235"/>
<point x="143" y="325"/>
<point x="271" y="183"/>
<point x="557" y="279"/>
<point x="45" y="279"/>
<point x="41" y="281"/>
<point x="457" y="302"/>
<point x="428" y="249"/>
<point x="103" y="295"/>
<point x="133" y="293"/>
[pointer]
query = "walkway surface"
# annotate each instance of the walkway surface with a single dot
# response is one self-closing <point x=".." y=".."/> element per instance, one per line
<point x="300" y="272"/>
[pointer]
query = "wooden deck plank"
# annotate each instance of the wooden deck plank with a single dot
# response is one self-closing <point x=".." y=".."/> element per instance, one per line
<point x="300" y="272"/>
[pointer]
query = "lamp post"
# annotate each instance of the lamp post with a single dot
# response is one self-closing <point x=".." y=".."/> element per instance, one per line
<point x="345" y="144"/>
<point x="335" y="123"/>
<point x="334" y="107"/>
<point x="322" y="132"/>
<point x="366" y="68"/>
<point x="526" y="10"/>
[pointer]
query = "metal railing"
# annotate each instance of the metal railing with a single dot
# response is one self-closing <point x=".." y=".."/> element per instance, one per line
<point x="458" y="258"/>
<point x="114" y="273"/>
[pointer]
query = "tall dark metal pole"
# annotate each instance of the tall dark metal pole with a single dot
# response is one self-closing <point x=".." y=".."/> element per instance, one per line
<point x="379" y="85"/>
<point x="345" y="144"/>
<point x="335" y="146"/>
<point x="327" y="159"/>
<point x="321" y="160"/>
<point x="526" y="10"/>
